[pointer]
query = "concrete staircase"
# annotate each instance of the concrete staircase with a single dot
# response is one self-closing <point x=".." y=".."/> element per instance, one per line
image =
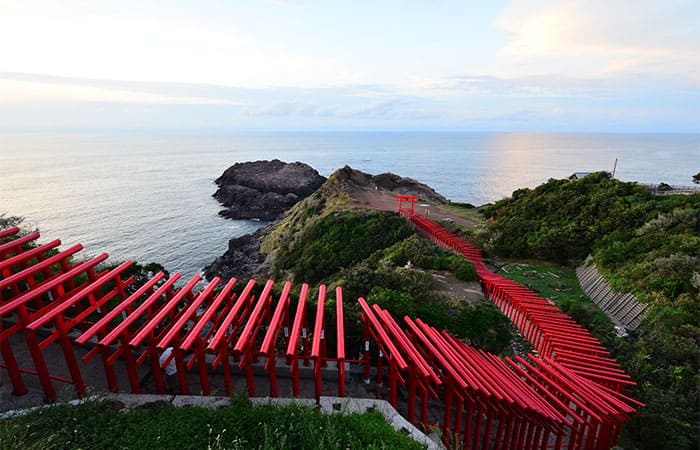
<point x="621" y="308"/>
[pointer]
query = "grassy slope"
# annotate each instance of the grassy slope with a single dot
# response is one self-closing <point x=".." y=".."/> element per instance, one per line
<point x="96" y="425"/>
<point x="471" y="214"/>
<point x="644" y="244"/>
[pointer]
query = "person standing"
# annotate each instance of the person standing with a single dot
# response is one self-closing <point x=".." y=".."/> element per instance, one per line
<point x="170" y="370"/>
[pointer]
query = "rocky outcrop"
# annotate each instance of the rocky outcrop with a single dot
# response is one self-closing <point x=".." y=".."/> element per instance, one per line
<point x="352" y="180"/>
<point x="264" y="190"/>
<point x="242" y="260"/>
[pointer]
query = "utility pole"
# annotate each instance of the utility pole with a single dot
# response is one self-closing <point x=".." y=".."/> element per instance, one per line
<point x="614" y="168"/>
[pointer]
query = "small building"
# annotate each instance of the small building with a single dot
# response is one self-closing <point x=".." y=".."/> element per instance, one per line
<point x="579" y="175"/>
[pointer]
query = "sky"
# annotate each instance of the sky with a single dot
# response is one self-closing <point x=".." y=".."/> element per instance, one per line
<point x="535" y="65"/>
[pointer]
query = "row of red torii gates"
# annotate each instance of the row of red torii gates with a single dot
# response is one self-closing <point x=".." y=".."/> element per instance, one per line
<point x="571" y="394"/>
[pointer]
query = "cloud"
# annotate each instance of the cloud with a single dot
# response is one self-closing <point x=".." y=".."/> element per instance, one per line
<point x="557" y="86"/>
<point x="290" y="108"/>
<point x="526" y="116"/>
<point x="539" y="86"/>
<point x="392" y="109"/>
<point x="382" y="109"/>
<point x="465" y="101"/>
<point x="46" y="95"/>
<point x="23" y="88"/>
<point x="601" y="37"/>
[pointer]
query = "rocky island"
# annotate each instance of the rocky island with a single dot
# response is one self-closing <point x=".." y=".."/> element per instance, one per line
<point x="263" y="190"/>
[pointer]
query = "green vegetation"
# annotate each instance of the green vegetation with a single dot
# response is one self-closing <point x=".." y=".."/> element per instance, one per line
<point x="656" y="260"/>
<point x="323" y="240"/>
<point x="340" y="240"/>
<point x="561" y="220"/>
<point x="560" y="285"/>
<point x="10" y="222"/>
<point x="481" y="325"/>
<point x="465" y="271"/>
<point x="644" y="244"/>
<point x="464" y="210"/>
<point x="366" y="251"/>
<point x="331" y="198"/>
<point x="97" y="425"/>
<point x="425" y="255"/>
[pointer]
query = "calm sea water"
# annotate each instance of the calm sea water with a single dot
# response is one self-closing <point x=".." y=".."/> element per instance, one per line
<point x="147" y="197"/>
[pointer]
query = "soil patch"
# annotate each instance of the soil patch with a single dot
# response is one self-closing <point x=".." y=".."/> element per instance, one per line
<point x="386" y="201"/>
<point x="446" y="283"/>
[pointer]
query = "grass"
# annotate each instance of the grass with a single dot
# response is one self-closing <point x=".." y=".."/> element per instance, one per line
<point x="98" y="425"/>
<point x="552" y="282"/>
<point x="560" y="285"/>
<point x="471" y="214"/>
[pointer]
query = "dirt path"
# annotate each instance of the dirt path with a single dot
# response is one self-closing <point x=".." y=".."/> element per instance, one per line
<point x="446" y="283"/>
<point x="386" y="201"/>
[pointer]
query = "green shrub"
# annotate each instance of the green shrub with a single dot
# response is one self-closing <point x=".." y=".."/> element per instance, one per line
<point x="561" y="220"/>
<point x="463" y="269"/>
<point x="421" y="252"/>
<point x="426" y="255"/>
<point x="15" y="221"/>
<point x="644" y="244"/>
<point x="340" y="240"/>
<point x="485" y="327"/>
<point x="361" y="279"/>
<point x="397" y="303"/>
<point x="436" y="314"/>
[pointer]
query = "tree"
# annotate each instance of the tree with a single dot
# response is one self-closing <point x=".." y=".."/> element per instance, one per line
<point x="696" y="178"/>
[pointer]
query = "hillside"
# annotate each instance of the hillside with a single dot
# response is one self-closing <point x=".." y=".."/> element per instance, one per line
<point x="644" y="244"/>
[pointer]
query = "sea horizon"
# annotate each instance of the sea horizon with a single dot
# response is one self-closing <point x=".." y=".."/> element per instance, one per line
<point x="146" y="196"/>
<point x="363" y="130"/>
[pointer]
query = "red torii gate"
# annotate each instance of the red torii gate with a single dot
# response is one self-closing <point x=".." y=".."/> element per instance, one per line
<point x="36" y="295"/>
<point x="42" y="292"/>
<point x="396" y="348"/>
<point x="571" y="396"/>
<point x="406" y="204"/>
<point x="551" y="332"/>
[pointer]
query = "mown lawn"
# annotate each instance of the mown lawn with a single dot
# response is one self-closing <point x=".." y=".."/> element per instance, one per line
<point x="560" y="285"/>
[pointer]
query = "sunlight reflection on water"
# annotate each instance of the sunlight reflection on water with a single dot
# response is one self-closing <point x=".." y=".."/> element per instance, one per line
<point x="148" y="197"/>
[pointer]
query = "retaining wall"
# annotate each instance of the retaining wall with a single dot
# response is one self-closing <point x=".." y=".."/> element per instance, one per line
<point x="622" y="308"/>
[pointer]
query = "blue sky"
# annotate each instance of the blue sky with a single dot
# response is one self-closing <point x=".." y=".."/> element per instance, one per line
<point x="613" y="65"/>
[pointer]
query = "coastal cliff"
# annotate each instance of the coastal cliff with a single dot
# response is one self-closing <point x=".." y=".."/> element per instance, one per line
<point x="255" y="255"/>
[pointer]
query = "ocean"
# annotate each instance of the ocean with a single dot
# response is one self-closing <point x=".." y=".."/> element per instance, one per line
<point x="147" y="197"/>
